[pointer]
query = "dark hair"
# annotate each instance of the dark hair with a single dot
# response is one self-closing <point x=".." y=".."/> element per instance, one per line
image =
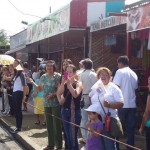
<point x="42" y="72"/>
<point x="18" y="61"/>
<point x="25" y="65"/>
<point x="51" y="62"/>
<point x="99" y="116"/>
<point x="87" y="63"/>
<point x="18" y="73"/>
<point x="73" y="67"/>
<point x="123" y="59"/>
<point x="67" y="60"/>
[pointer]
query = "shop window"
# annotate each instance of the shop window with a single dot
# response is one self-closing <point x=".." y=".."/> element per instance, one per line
<point x="120" y="45"/>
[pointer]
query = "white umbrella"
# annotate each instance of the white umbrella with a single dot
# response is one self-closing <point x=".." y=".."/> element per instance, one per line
<point x="6" y="60"/>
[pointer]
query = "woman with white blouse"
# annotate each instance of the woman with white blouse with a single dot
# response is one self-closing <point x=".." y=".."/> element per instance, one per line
<point x="109" y="98"/>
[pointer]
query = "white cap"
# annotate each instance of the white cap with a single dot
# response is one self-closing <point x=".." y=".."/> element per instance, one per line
<point x="93" y="108"/>
<point x="19" y="67"/>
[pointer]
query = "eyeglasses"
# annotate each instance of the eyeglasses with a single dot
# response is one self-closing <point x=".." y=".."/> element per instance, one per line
<point x="103" y="75"/>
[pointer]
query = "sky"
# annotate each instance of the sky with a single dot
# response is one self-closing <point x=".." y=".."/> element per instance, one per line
<point x="10" y="18"/>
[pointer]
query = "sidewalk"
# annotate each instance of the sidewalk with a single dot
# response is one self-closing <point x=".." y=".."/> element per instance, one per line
<point x="34" y="137"/>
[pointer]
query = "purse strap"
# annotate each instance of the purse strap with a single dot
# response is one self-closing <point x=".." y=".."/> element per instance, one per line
<point x="102" y="106"/>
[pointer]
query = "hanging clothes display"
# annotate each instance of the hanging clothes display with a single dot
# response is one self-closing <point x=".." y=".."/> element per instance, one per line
<point x="148" y="47"/>
<point x="110" y="40"/>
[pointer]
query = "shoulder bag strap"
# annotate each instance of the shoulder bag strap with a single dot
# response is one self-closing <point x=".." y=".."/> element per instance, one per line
<point x="102" y="106"/>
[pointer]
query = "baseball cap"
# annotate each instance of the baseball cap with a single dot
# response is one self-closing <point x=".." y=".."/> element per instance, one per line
<point x="93" y="108"/>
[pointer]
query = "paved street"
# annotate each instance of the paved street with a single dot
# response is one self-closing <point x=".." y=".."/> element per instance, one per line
<point x="7" y="142"/>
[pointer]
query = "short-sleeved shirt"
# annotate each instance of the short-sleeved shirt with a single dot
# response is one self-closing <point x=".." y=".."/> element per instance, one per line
<point x="94" y="142"/>
<point x="19" y="82"/>
<point x="127" y="80"/>
<point x="50" y="85"/>
<point x="88" y="79"/>
<point x="114" y="94"/>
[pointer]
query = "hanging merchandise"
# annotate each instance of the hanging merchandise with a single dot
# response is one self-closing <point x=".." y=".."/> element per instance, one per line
<point x="119" y="47"/>
<point x="148" y="47"/>
<point x="140" y="52"/>
<point x="110" y="40"/>
<point x="145" y="55"/>
<point x="136" y="46"/>
<point x="133" y="35"/>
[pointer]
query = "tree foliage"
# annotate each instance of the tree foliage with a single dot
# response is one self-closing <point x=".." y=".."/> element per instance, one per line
<point x="3" y="38"/>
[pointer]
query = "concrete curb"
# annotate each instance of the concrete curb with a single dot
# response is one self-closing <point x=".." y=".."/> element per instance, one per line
<point x="20" y="137"/>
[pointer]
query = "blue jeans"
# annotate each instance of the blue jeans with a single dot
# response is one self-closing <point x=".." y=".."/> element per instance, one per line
<point x="66" y="115"/>
<point x="17" y="100"/>
<point x="128" y="117"/>
<point x="108" y="144"/>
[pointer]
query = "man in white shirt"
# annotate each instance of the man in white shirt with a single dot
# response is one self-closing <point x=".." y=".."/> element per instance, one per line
<point x="127" y="80"/>
<point x="88" y="79"/>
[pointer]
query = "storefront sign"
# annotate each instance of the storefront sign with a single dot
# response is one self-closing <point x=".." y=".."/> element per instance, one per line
<point x="108" y="22"/>
<point x="51" y="25"/>
<point x="138" y="18"/>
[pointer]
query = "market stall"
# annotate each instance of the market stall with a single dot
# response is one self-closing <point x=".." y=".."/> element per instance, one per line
<point x="138" y="47"/>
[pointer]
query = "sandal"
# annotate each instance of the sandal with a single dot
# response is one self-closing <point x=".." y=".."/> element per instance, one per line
<point x="37" y="122"/>
<point x="44" y="124"/>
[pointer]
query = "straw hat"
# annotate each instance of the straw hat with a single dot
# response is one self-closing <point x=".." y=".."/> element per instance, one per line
<point x="19" y="67"/>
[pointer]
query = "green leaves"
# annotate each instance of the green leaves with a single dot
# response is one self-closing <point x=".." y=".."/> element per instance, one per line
<point x="3" y="38"/>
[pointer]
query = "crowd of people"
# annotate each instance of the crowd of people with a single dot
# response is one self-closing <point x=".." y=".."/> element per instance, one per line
<point x="74" y="98"/>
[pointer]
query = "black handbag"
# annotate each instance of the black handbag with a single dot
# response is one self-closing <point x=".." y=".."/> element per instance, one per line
<point x="82" y="103"/>
<point x="115" y="124"/>
<point x="116" y="127"/>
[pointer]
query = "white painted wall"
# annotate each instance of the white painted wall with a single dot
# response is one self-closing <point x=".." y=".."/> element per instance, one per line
<point x="95" y="11"/>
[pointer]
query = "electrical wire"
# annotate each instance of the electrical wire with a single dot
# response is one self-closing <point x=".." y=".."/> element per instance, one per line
<point x="22" y="11"/>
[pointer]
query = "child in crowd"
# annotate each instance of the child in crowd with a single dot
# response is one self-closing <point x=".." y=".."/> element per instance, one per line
<point x="38" y="103"/>
<point x="94" y="141"/>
